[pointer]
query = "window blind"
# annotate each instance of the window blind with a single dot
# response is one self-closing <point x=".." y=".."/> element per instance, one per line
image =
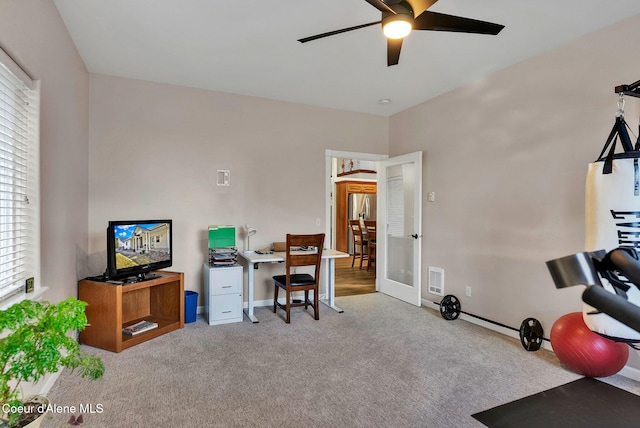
<point x="395" y="206"/>
<point x="17" y="139"/>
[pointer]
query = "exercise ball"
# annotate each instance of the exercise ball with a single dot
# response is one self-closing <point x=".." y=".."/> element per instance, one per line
<point x="585" y="352"/>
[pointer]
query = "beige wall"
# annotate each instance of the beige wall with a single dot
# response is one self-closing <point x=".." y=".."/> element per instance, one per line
<point x="154" y="150"/>
<point x="33" y="33"/>
<point x="507" y="158"/>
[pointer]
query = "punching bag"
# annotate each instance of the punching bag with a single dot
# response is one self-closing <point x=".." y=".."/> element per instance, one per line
<point x="612" y="202"/>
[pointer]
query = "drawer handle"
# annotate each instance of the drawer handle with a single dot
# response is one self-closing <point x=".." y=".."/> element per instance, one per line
<point x="226" y="286"/>
<point x="226" y="312"/>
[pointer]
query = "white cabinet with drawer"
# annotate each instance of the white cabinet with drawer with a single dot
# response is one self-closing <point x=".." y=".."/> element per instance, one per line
<point x="223" y="294"/>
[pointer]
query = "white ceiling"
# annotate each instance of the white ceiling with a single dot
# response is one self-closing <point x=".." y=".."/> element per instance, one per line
<point x="250" y="47"/>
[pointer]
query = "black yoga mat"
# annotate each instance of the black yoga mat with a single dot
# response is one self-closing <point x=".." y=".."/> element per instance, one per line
<point x="582" y="403"/>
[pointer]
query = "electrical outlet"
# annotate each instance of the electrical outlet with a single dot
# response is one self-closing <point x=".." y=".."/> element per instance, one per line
<point x="468" y="291"/>
<point x="29" y="287"/>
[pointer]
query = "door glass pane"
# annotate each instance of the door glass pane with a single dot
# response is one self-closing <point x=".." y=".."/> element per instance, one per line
<point x="400" y="244"/>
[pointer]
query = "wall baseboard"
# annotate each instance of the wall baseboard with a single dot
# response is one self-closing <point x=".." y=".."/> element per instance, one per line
<point x="630" y="372"/>
<point x="46" y="387"/>
<point x="42" y="387"/>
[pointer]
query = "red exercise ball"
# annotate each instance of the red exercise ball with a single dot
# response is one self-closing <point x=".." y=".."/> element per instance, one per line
<point x="585" y="352"/>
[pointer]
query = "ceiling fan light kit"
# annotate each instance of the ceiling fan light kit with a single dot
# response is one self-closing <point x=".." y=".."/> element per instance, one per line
<point x="400" y="17"/>
<point x="397" y="26"/>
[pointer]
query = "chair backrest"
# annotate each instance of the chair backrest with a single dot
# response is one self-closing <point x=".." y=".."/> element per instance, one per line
<point x="370" y="225"/>
<point x="356" y="230"/>
<point x="370" y="228"/>
<point x="296" y="257"/>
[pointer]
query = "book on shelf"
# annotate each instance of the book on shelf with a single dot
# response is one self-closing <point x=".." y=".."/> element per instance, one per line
<point x="139" y="327"/>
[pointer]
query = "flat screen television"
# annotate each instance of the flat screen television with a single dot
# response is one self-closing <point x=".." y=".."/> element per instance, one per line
<point x="136" y="248"/>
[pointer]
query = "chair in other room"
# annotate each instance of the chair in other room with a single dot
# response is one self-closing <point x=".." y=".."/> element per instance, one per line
<point x="359" y="242"/>
<point x="370" y="228"/>
<point x="290" y="282"/>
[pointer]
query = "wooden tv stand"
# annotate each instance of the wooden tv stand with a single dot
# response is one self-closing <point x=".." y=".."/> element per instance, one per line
<point x="112" y="307"/>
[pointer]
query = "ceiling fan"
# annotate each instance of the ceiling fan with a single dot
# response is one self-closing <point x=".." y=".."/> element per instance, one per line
<point x="399" y="17"/>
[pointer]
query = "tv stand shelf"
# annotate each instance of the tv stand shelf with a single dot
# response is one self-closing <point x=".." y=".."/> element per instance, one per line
<point x="112" y="307"/>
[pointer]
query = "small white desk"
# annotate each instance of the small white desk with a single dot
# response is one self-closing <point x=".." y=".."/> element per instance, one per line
<point x="250" y="260"/>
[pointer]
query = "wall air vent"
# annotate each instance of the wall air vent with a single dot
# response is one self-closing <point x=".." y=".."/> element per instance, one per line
<point x="436" y="281"/>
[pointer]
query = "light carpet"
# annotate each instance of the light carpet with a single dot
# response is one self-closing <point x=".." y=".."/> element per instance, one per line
<point x="381" y="363"/>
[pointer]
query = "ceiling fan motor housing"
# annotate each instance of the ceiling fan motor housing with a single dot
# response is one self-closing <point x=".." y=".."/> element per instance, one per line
<point x="400" y="8"/>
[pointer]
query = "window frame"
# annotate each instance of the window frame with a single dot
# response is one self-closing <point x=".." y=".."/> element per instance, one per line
<point x="31" y="267"/>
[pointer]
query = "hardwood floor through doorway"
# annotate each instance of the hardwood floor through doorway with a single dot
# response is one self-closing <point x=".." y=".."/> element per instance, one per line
<point x="352" y="280"/>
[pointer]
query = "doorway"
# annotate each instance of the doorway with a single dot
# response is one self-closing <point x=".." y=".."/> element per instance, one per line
<point x="351" y="281"/>
<point x="355" y="169"/>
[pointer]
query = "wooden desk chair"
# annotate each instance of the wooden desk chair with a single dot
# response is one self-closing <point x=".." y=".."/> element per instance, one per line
<point x="359" y="242"/>
<point x="291" y="281"/>
<point x="370" y="228"/>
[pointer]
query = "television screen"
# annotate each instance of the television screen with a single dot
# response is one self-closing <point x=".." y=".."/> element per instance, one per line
<point x="135" y="248"/>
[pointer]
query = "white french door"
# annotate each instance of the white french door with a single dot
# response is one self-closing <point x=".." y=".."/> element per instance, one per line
<point x="399" y="224"/>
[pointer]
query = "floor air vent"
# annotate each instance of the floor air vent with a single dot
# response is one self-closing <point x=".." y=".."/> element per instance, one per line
<point x="436" y="281"/>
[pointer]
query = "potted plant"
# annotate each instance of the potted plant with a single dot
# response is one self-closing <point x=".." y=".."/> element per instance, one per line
<point x="35" y="341"/>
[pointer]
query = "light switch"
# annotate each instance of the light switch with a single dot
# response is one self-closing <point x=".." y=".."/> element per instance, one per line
<point x="224" y="177"/>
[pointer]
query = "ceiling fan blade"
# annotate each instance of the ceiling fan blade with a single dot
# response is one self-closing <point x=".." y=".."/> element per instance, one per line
<point x="332" y="33"/>
<point x="381" y="6"/>
<point x="393" y="51"/>
<point x="420" y="6"/>
<point x="441" y="22"/>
